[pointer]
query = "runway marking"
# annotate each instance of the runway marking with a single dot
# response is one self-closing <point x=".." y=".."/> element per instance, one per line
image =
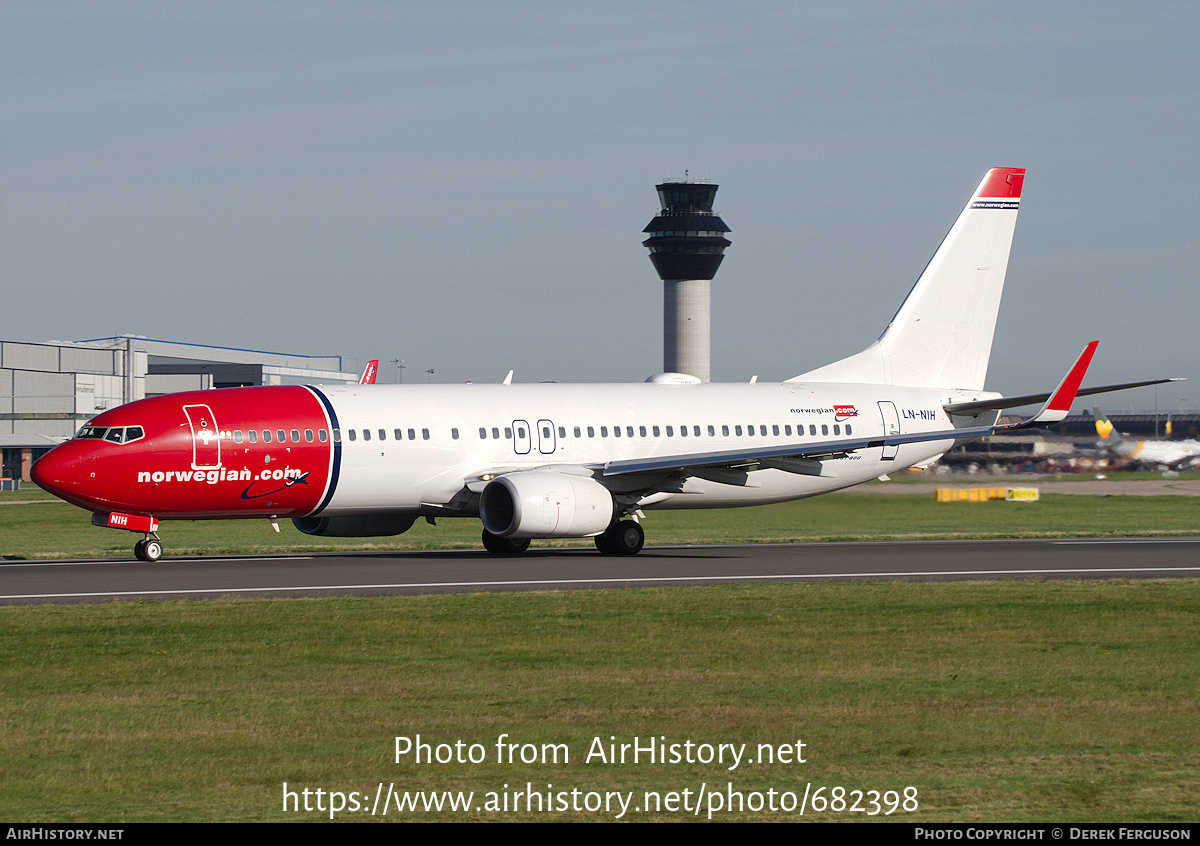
<point x="1129" y="540"/>
<point x="210" y="560"/>
<point x="599" y="581"/>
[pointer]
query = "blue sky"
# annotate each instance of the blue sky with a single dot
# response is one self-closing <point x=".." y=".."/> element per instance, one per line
<point x="464" y="185"/>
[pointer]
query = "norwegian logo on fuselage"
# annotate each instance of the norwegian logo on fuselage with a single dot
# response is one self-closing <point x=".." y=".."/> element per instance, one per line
<point x="844" y="412"/>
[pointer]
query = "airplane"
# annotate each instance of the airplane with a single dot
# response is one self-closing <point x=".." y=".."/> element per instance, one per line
<point x="1151" y="452"/>
<point x="370" y="372"/>
<point x="571" y="461"/>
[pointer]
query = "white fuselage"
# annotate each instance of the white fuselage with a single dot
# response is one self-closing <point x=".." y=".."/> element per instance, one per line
<point x="409" y="446"/>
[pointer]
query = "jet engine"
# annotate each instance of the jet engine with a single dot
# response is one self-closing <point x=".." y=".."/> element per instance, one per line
<point x="544" y="504"/>
<point x="356" y="526"/>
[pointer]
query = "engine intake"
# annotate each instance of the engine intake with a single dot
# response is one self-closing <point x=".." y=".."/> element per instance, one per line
<point x="544" y="504"/>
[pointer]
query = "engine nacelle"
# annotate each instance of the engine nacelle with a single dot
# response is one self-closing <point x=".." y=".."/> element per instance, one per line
<point x="545" y="504"/>
<point x="356" y="525"/>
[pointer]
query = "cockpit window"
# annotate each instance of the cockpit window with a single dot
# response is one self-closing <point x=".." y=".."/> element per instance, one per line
<point x="112" y="434"/>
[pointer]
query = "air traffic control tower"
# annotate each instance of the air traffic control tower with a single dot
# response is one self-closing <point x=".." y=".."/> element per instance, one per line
<point x="687" y="242"/>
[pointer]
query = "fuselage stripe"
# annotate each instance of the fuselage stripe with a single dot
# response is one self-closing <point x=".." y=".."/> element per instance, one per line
<point x="336" y="443"/>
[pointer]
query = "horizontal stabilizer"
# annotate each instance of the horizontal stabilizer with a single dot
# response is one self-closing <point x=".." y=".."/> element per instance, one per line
<point x="1001" y="403"/>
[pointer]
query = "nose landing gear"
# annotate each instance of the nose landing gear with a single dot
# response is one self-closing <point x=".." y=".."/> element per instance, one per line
<point x="148" y="549"/>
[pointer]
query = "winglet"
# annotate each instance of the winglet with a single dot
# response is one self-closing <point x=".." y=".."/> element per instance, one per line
<point x="368" y="377"/>
<point x="1058" y="405"/>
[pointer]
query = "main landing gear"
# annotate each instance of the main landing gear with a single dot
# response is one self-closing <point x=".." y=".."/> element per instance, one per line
<point x="623" y="537"/>
<point x="504" y="546"/>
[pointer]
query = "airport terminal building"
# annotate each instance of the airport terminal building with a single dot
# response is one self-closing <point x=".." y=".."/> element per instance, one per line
<point x="48" y="391"/>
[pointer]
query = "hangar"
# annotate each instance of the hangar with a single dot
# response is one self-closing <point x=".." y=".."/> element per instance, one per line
<point x="49" y="390"/>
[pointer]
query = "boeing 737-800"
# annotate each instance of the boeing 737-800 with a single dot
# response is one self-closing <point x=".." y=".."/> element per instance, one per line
<point x="574" y="461"/>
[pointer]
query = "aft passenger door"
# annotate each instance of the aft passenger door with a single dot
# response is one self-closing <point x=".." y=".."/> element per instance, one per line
<point x="891" y="426"/>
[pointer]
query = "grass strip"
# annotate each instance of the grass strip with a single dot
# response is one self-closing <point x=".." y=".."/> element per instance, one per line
<point x="1036" y="701"/>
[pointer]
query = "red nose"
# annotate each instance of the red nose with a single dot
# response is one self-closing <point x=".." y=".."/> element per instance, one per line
<point x="58" y="471"/>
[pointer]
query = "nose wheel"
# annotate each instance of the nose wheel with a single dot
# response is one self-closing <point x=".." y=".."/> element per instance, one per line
<point x="150" y="549"/>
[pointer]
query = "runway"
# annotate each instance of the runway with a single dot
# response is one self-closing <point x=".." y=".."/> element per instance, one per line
<point x="469" y="571"/>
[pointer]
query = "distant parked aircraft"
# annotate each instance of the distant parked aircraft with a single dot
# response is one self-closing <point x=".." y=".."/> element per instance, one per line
<point x="1171" y="453"/>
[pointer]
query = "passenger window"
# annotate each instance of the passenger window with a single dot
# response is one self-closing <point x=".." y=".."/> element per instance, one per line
<point x="824" y="429"/>
<point x="837" y="430"/>
<point x="253" y="436"/>
<point x="604" y="431"/>
<point x="670" y="432"/>
<point x="577" y="432"/>
<point x="308" y="435"/>
<point x="425" y="434"/>
<point x="337" y="436"/>
<point x="616" y="431"/>
<point x="322" y="435"/>
<point x="642" y="431"/>
<point x="266" y="436"/>
<point x="737" y="430"/>
<point x="482" y="433"/>
<point x="454" y="434"/>
<point x="295" y="436"/>
<point x="787" y="430"/>
<point x="366" y="434"/>
<point x="655" y="430"/>
<point x="629" y="431"/>
<point x="696" y="431"/>
<point x="683" y="431"/>
<point x="350" y="432"/>
<point x="562" y="431"/>
<point x="762" y="429"/>
<point x="848" y="432"/>
<point x="812" y="429"/>
<point x="237" y="436"/>
<point x="281" y="436"/>
<point x="507" y="433"/>
<point x="412" y="434"/>
<point x="712" y="431"/>
<point x="774" y="430"/>
<point x="725" y="431"/>
<point x="383" y="434"/>
<point x="591" y="432"/>
<point x="496" y="432"/>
